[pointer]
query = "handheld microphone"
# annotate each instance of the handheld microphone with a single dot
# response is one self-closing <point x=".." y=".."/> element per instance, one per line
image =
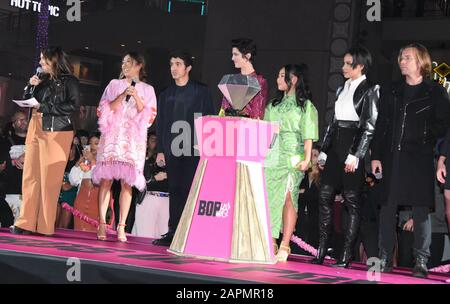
<point x="133" y="84"/>
<point x="39" y="74"/>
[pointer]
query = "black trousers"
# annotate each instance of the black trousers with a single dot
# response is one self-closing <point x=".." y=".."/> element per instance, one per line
<point x="333" y="173"/>
<point x="437" y="249"/>
<point x="368" y="235"/>
<point x="422" y="230"/>
<point x="405" y="249"/>
<point x="6" y="215"/>
<point x="180" y="174"/>
<point x="406" y="244"/>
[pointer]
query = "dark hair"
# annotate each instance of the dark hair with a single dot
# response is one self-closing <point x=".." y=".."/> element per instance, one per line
<point x="94" y="134"/>
<point x="361" y="56"/>
<point x="302" y="91"/>
<point x="183" y="55"/>
<point x="140" y="59"/>
<point x="81" y="132"/>
<point x="8" y="129"/>
<point x="245" y="46"/>
<point x="58" y="60"/>
<point x="2" y="127"/>
<point x="78" y="153"/>
<point x="317" y="146"/>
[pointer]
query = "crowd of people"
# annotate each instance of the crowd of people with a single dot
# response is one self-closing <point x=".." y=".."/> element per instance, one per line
<point x="377" y="185"/>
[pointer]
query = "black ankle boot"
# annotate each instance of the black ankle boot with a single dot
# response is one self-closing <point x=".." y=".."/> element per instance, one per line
<point x="420" y="268"/>
<point x="386" y="264"/>
<point x="165" y="240"/>
<point x="17" y="230"/>
<point x="321" y="253"/>
<point x="345" y="259"/>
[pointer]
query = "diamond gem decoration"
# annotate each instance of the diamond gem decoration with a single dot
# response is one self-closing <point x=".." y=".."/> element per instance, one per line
<point x="239" y="89"/>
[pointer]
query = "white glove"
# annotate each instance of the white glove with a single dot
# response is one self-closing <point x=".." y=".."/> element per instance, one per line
<point x="322" y="159"/>
<point x="351" y="159"/>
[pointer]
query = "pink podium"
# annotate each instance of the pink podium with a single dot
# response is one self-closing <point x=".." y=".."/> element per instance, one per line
<point x="226" y="216"/>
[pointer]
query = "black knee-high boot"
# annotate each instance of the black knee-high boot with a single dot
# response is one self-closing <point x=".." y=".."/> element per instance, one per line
<point x="326" y="200"/>
<point x="351" y="200"/>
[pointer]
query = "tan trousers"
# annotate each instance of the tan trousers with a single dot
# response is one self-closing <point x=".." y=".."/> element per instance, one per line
<point x="46" y="156"/>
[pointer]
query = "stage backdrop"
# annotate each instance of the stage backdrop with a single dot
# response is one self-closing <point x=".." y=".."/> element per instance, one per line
<point x="287" y="31"/>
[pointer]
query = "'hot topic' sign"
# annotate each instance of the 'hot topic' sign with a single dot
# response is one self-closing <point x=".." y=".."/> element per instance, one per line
<point x="73" y="13"/>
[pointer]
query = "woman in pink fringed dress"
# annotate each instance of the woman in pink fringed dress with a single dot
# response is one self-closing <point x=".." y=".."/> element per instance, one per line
<point x="121" y="151"/>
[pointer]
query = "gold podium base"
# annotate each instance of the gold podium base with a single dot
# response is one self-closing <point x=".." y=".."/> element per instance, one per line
<point x="249" y="244"/>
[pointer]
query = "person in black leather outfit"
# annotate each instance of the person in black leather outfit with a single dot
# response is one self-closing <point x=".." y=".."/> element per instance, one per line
<point x="344" y="147"/>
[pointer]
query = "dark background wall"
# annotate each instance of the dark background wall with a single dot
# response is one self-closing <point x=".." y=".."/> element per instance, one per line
<point x="105" y="26"/>
<point x="288" y="31"/>
<point x="315" y="32"/>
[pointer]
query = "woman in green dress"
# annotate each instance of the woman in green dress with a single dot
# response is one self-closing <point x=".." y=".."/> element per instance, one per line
<point x="290" y="154"/>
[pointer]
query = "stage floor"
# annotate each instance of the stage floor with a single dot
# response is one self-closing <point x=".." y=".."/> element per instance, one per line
<point x="37" y="259"/>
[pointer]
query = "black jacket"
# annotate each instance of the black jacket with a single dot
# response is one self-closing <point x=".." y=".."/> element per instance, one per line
<point x="409" y="133"/>
<point x="444" y="149"/>
<point x="59" y="99"/>
<point x="195" y="97"/>
<point x="365" y="101"/>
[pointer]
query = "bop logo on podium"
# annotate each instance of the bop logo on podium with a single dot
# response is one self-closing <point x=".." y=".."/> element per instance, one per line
<point x="216" y="209"/>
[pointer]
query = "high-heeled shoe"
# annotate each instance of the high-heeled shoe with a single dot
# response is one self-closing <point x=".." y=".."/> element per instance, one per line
<point x="101" y="232"/>
<point x="283" y="253"/>
<point x="320" y="257"/>
<point x="275" y="248"/>
<point x="124" y="237"/>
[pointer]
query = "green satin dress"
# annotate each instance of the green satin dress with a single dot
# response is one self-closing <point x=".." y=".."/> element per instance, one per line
<point x="296" y="126"/>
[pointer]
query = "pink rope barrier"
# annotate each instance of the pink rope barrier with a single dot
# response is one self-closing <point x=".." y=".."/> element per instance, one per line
<point x="305" y="246"/>
<point x="313" y="251"/>
<point x="77" y="213"/>
<point x="442" y="269"/>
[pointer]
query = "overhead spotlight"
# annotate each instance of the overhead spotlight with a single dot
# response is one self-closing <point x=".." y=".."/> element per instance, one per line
<point x="122" y="45"/>
<point x="86" y="48"/>
<point x="139" y="41"/>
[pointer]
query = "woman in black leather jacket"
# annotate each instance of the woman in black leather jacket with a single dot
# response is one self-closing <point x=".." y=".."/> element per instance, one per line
<point x="48" y="141"/>
<point x="345" y="144"/>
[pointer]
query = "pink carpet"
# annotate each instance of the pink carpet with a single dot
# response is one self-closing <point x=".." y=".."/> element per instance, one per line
<point x="138" y="252"/>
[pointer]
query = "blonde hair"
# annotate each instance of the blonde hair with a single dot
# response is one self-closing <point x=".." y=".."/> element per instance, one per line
<point x="422" y="56"/>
